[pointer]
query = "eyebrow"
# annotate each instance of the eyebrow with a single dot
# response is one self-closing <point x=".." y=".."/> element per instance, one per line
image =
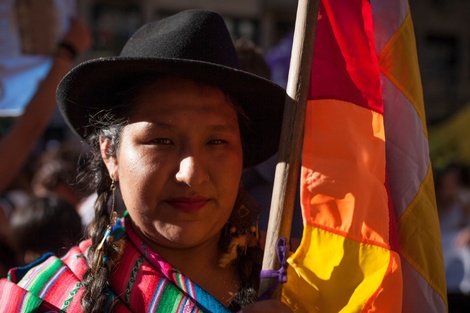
<point x="168" y="126"/>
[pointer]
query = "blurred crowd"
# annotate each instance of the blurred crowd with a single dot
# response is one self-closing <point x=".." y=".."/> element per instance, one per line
<point x="41" y="205"/>
<point x="44" y="208"/>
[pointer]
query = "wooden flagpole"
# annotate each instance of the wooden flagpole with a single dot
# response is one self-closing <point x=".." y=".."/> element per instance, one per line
<point x="287" y="168"/>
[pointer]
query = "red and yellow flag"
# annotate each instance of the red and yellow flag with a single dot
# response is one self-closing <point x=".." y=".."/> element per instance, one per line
<point x="371" y="240"/>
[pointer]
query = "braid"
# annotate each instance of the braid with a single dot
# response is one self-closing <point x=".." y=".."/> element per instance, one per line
<point x="248" y="260"/>
<point x="95" y="279"/>
<point x="101" y="261"/>
<point x="239" y="244"/>
<point x="94" y="176"/>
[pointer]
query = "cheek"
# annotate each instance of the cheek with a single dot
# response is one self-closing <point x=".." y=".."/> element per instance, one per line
<point x="127" y="166"/>
<point x="229" y="178"/>
<point x="135" y="175"/>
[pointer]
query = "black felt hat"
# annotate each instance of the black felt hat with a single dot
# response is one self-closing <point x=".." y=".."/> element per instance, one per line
<point x="194" y="44"/>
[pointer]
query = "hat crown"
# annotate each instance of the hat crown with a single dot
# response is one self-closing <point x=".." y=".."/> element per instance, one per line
<point x="187" y="35"/>
<point x="194" y="44"/>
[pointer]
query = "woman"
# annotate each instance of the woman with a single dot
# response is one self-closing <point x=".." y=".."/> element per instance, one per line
<point x="167" y="121"/>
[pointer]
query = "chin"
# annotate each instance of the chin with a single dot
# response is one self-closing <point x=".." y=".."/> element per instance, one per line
<point x="189" y="239"/>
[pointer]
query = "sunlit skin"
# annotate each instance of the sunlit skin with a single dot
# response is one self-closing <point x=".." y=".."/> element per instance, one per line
<point x="178" y="166"/>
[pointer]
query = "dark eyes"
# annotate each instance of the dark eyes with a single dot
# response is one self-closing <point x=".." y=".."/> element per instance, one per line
<point x="162" y="141"/>
<point x="166" y="141"/>
<point x="217" y="141"/>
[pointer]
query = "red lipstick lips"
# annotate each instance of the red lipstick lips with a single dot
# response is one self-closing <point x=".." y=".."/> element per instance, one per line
<point x="188" y="204"/>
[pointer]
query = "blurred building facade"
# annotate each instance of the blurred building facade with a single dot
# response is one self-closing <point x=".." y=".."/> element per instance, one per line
<point x="263" y="21"/>
<point x="442" y="31"/>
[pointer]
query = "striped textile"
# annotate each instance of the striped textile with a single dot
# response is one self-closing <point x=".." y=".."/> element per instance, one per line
<point x="142" y="282"/>
<point x="371" y="239"/>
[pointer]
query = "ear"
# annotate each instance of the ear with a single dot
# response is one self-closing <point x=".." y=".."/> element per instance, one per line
<point x="109" y="159"/>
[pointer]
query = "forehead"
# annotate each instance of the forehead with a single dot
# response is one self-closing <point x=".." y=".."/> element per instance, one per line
<point x="173" y="95"/>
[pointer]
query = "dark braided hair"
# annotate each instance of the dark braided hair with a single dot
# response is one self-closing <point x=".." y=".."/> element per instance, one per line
<point x="239" y="244"/>
<point x="94" y="177"/>
<point x="96" y="278"/>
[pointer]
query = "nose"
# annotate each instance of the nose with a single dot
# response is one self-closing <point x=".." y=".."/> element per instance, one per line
<point x="191" y="172"/>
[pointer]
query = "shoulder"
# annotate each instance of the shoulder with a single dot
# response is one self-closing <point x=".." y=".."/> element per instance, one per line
<point x="47" y="282"/>
<point x="13" y="298"/>
<point x="72" y="264"/>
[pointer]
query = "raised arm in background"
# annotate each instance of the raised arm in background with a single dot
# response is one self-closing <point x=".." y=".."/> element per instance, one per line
<point x="17" y="144"/>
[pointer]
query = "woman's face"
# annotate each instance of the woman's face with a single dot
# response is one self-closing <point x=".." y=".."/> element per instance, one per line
<point x="179" y="163"/>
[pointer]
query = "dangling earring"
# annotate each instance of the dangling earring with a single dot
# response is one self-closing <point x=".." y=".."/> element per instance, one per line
<point x="242" y="227"/>
<point x="108" y="237"/>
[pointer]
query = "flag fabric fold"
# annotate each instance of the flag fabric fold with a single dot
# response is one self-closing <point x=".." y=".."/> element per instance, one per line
<point x="371" y="240"/>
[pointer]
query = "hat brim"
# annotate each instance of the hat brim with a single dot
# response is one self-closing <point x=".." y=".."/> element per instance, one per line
<point x="86" y="89"/>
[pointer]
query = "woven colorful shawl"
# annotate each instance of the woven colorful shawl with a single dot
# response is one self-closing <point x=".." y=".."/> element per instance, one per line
<point x="141" y="282"/>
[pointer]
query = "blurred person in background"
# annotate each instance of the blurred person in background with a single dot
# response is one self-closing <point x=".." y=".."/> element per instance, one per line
<point x="55" y="172"/>
<point x="23" y="135"/>
<point x="20" y="139"/>
<point x="453" y="205"/>
<point x="46" y="224"/>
